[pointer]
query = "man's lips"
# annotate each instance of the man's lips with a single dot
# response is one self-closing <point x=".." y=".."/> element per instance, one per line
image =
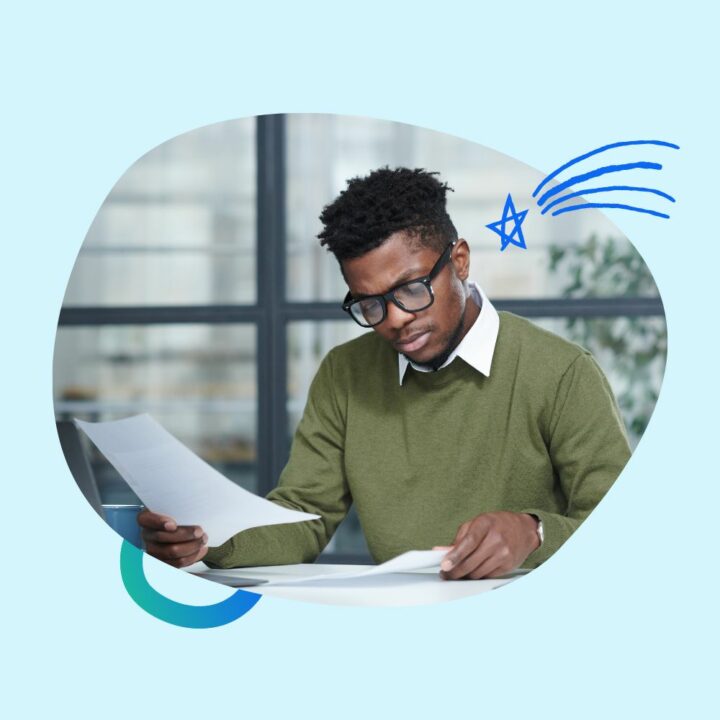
<point x="414" y="342"/>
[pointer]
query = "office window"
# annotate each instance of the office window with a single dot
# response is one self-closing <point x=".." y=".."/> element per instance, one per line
<point x="198" y="381"/>
<point x="177" y="228"/>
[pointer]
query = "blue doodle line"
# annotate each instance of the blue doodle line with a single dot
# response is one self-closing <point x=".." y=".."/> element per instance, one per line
<point x="608" y="188"/>
<point x="596" y="173"/>
<point x="599" y="150"/>
<point x="585" y="206"/>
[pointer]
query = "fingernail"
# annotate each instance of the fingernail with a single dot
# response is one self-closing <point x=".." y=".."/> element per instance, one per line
<point x="446" y="565"/>
<point x="205" y="539"/>
<point x="197" y="532"/>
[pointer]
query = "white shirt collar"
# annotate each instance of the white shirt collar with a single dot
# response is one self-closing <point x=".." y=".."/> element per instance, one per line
<point x="478" y="345"/>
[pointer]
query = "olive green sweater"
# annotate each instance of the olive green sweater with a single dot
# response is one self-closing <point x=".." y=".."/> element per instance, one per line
<point x="541" y="434"/>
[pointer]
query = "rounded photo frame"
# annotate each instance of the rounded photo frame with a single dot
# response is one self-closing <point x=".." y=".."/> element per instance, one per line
<point x="203" y="296"/>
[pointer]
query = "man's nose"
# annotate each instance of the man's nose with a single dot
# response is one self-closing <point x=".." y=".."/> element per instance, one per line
<point x="396" y="318"/>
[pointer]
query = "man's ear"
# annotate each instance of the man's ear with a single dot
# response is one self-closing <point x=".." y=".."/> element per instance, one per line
<point x="461" y="259"/>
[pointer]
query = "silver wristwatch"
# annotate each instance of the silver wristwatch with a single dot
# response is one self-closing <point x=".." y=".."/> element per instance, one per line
<point x="540" y="529"/>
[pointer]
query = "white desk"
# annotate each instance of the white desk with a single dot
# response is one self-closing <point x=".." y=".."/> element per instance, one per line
<point x="391" y="590"/>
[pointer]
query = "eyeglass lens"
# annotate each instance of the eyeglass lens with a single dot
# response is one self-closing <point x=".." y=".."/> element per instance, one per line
<point x="413" y="296"/>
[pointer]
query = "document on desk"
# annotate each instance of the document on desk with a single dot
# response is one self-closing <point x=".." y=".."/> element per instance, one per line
<point x="407" y="562"/>
<point x="170" y="479"/>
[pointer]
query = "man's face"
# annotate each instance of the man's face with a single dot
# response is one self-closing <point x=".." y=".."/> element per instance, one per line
<point x="426" y="335"/>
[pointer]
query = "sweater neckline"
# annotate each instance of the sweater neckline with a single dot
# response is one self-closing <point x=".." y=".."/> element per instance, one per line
<point x="439" y="378"/>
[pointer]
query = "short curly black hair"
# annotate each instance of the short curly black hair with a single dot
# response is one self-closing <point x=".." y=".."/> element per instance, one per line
<point x="386" y="201"/>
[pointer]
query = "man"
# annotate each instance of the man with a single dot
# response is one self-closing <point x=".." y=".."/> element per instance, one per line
<point x="449" y="425"/>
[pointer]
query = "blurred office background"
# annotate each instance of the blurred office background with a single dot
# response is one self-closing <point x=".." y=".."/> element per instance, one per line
<point x="202" y="296"/>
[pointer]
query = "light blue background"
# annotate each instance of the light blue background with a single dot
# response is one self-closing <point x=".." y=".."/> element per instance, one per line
<point x="623" y="622"/>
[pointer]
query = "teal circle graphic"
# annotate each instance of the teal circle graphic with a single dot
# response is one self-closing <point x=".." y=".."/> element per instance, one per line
<point x="175" y="613"/>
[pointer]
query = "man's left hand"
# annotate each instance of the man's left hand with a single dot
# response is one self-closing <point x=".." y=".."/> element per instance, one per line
<point x="490" y="545"/>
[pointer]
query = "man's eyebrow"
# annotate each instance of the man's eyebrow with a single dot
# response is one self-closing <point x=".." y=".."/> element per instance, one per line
<point x="411" y="274"/>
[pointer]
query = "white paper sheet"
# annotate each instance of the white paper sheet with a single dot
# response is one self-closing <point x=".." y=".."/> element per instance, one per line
<point x="170" y="479"/>
<point x="407" y="562"/>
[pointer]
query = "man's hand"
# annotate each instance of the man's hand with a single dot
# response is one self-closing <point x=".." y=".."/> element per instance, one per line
<point x="178" y="546"/>
<point x="490" y="545"/>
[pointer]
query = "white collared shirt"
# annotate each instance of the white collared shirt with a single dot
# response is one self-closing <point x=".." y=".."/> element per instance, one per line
<point x="478" y="345"/>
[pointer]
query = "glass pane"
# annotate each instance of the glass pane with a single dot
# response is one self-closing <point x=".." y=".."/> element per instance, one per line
<point x="325" y="150"/>
<point x="198" y="381"/>
<point x="178" y="227"/>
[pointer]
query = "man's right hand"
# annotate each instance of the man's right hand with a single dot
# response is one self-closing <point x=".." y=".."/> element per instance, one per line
<point x="177" y="545"/>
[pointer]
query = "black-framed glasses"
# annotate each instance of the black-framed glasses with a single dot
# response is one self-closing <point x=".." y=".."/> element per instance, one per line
<point x="411" y="296"/>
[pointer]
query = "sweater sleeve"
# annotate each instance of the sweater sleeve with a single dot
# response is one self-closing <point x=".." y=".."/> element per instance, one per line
<point x="313" y="481"/>
<point x="588" y="448"/>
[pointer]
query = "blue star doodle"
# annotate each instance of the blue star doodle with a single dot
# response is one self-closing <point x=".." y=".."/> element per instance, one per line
<point x="510" y="215"/>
